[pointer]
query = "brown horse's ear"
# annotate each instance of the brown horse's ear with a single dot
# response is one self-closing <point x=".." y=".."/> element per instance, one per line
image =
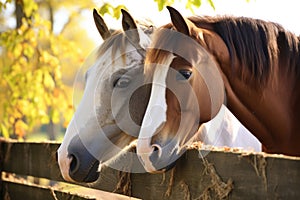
<point x="178" y="21"/>
<point x="101" y="26"/>
<point x="130" y="27"/>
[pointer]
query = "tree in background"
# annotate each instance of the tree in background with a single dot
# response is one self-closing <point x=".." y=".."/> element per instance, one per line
<point x="32" y="59"/>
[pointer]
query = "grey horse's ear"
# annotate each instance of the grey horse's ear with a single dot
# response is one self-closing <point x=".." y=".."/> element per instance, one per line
<point x="101" y="26"/>
<point x="178" y="21"/>
<point x="130" y="27"/>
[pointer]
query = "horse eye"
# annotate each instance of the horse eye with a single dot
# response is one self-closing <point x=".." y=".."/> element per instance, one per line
<point x="183" y="75"/>
<point x="121" y="82"/>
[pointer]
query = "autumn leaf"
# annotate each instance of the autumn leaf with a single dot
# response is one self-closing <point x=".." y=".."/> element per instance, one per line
<point x="20" y="128"/>
<point x="29" y="7"/>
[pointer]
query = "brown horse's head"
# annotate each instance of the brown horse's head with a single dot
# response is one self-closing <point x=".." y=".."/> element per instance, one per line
<point x="187" y="64"/>
<point x="187" y="90"/>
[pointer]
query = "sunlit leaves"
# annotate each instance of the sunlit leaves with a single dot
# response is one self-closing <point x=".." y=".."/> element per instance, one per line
<point x="189" y="4"/>
<point x="162" y="3"/>
<point x="29" y="6"/>
<point x="115" y="12"/>
<point x="211" y="3"/>
<point x="196" y="3"/>
<point x="3" y="4"/>
<point x="32" y="92"/>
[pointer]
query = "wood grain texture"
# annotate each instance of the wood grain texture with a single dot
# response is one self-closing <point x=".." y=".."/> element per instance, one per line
<point x="218" y="174"/>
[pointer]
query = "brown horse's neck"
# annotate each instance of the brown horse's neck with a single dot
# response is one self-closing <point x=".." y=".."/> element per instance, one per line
<point x="267" y="112"/>
<point x="265" y="109"/>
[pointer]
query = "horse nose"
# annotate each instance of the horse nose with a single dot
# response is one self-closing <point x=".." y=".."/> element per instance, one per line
<point x="162" y="158"/>
<point x="83" y="166"/>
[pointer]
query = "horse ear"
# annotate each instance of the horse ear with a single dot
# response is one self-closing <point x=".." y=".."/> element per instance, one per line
<point x="101" y="26"/>
<point x="178" y="21"/>
<point x="128" y="22"/>
<point x="130" y="27"/>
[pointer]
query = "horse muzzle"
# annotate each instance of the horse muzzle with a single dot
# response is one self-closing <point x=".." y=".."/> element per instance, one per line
<point x="157" y="158"/>
<point x="83" y="166"/>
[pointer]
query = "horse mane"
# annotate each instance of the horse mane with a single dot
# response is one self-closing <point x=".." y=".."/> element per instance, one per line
<point x="117" y="42"/>
<point x="255" y="45"/>
<point x="258" y="45"/>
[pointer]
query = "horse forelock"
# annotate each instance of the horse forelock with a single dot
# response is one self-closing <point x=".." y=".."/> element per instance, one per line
<point x="117" y="42"/>
<point x="166" y="42"/>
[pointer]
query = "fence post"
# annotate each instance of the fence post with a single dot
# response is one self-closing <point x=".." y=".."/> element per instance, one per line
<point x="1" y="167"/>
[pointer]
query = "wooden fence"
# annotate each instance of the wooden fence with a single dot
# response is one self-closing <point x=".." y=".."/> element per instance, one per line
<point x="228" y="174"/>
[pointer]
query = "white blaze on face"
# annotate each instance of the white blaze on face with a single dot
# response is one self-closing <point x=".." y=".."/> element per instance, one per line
<point x="155" y="115"/>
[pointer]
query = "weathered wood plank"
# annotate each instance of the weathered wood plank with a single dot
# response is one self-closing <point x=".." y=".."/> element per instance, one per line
<point x="253" y="176"/>
<point x="236" y="175"/>
<point x="15" y="191"/>
<point x="32" y="159"/>
<point x="15" y="188"/>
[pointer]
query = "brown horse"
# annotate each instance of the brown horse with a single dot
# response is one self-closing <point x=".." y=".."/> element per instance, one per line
<point x="259" y="64"/>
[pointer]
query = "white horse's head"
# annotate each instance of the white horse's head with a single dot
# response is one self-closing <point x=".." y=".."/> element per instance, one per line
<point x="111" y="110"/>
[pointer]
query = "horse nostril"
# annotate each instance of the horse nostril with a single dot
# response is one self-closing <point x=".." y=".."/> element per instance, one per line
<point x="157" y="149"/>
<point x="82" y="164"/>
<point x="74" y="165"/>
<point x="56" y="157"/>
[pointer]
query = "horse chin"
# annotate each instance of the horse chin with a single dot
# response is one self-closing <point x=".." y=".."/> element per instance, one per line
<point x="165" y="169"/>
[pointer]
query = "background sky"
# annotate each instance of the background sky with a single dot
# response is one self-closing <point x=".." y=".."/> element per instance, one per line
<point x="284" y="12"/>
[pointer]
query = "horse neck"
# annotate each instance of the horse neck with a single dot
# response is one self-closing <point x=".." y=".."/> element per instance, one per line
<point x="265" y="109"/>
<point x="270" y="112"/>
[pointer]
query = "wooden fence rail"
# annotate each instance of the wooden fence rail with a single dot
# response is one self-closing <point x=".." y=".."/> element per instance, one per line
<point x="37" y="160"/>
<point x="221" y="174"/>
